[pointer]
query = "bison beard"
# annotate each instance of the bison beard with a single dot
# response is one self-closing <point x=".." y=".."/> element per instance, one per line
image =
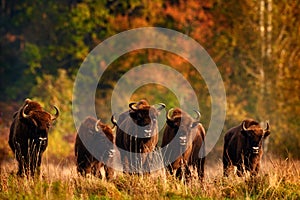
<point x="137" y="135"/>
<point x="243" y="147"/>
<point x="28" y="137"/>
<point x="183" y="140"/>
<point x="85" y="161"/>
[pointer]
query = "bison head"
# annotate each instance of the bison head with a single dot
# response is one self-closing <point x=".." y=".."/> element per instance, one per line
<point x="254" y="135"/>
<point x="184" y="126"/>
<point x="145" y="116"/>
<point x="105" y="131"/>
<point x="39" y="119"/>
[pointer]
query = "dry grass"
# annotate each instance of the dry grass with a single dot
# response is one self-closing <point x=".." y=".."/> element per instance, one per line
<point x="278" y="179"/>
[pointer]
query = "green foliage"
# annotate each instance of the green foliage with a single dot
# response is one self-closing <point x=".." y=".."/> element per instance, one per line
<point x="31" y="55"/>
<point x="39" y="38"/>
<point x="57" y="91"/>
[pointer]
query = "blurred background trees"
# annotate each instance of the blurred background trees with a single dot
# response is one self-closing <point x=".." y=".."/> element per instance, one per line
<point x="255" y="45"/>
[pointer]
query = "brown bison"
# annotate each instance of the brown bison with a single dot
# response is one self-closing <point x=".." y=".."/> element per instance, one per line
<point x="101" y="139"/>
<point x="243" y="147"/>
<point x="137" y="133"/>
<point x="183" y="144"/>
<point x="28" y="137"/>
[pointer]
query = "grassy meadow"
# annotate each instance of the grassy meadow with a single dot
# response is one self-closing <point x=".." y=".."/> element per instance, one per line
<point x="278" y="179"/>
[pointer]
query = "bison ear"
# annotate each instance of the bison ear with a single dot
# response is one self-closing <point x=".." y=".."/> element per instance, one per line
<point x="266" y="133"/>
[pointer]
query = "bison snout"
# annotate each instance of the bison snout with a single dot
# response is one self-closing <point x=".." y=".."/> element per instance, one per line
<point x="255" y="150"/>
<point x="147" y="133"/>
<point x="43" y="138"/>
<point x="182" y="140"/>
<point x="111" y="153"/>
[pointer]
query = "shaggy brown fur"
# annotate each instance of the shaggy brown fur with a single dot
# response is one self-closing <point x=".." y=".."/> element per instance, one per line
<point x="182" y="140"/>
<point x="28" y="137"/>
<point x="85" y="161"/>
<point x="137" y="132"/>
<point x="243" y="147"/>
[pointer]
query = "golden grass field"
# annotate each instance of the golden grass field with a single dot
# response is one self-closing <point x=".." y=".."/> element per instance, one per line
<point x="278" y="179"/>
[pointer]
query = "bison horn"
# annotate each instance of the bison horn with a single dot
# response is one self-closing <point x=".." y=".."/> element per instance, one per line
<point x="168" y="114"/>
<point x="28" y="116"/>
<point x="132" y="107"/>
<point x="268" y="127"/>
<point x="198" y="115"/>
<point x="96" y="125"/>
<point x="243" y="126"/>
<point x="113" y="121"/>
<point x="23" y="112"/>
<point x="27" y="100"/>
<point x="161" y="106"/>
<point x="56" y="114"/>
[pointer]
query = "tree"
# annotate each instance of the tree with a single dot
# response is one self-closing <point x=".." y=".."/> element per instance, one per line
<point x="57" y="91"/>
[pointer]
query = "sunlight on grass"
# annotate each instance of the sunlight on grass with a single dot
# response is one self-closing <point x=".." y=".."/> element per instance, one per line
<point x="279" y="179"/>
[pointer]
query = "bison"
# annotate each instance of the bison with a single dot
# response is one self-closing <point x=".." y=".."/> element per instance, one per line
<point x="86" y="163"/>
<point x="28" y="137"/>
<point x="243" y="147"/>
<point x="183" y="144"/>
<point x="136" y="134"/>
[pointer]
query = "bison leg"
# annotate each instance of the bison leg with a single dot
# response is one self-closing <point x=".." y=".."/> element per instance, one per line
<point x="200" y="168"/>
<point x="147" y="161"/>
<point x="21" y="168"/>
<point x="170" y="169"/>
<point x="240" y="169"/>
<point x="255" y="170"/>
<point x="35" y="158"/>
<point x="109" y="172"/>
<point x="184" y="173"/>
<point x="84" y="169"/>
<point x="226" y="164"/>
<point x="23" y="164"/>
<point x="135" y="163"/>
<point x="20" y="157"/>
<point x="96" y="169"/>
<point x="225" y="168"/>
<point x="39" y="163"/>
<point x="125" y="161"/>
<point x="179" y="173"/>
<point x="83" y="165"/>
<point x="187" y="173"/>
<point x="32" y="164"/>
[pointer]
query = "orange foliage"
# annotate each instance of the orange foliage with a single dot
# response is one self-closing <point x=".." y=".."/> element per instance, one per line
<point x="192" y="18"/>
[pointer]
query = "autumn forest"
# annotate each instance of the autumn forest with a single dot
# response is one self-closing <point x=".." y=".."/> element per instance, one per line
<point x="255" y="45"/>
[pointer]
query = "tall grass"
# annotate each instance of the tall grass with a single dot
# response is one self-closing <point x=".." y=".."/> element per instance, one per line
<point x="278" y="179"/>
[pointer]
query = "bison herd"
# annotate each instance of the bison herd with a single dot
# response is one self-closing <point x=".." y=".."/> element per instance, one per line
<point x="135" y="141"/>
